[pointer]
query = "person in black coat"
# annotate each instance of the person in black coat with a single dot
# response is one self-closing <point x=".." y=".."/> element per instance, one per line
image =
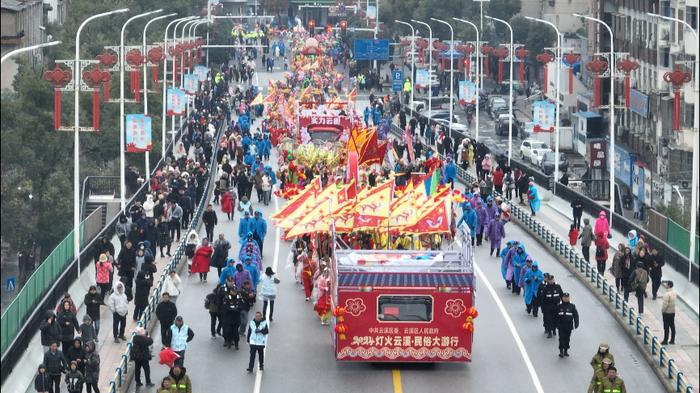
<point x="166" y="311"/>
<point x="230" y="311"/>
<point x="220" y="255"/>
<point x="42" y="380"/>
<point x="127" y="266"/>
<point x="69" y="325"/>
<point x="577" y="211"/>
<point x="76" y="353"/>
<point x="93" y="301"/>
<point x="566" y="321"/>
<point x="50" y="330"/>
<point x="143" y="287"/>
<point x="149" y="270"/>
<point x="210" y="220"/>
<point x="55" y="364"/>
<point x="141" y="355"/>
<point x="655" y="264"/>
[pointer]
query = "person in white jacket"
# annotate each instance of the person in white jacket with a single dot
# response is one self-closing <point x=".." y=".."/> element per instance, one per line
<point x="268" y="290"/>
<point x="171" y="285"/>
<point x="119" y="305"/>
<point x="148" y="206"/>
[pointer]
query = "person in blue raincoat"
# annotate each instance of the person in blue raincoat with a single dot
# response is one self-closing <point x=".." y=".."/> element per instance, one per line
<point x="252" y="269"/>
<point x="505" y="266"/>
<point x="228" y="271"/>
<point x="259" y="229"/>
<point x="245" y="226"/>
<point x="533" y="279"/>
<point x="482" y="220"/>
<point x="450" y="172"/>
<point x="266" y="147"/>
<point x="523" y="270"/>
<point x="469" y="218"/>
<point x="534" y="198"/>
<point x="259" y="145"/>
<point x="246" y="141"/>
<point x="271" y="173"/>
<point x="248" y="159"/>
<point x="518" y="260"/>
<point x="376" y="115"/>
<point x="366" y="114"/>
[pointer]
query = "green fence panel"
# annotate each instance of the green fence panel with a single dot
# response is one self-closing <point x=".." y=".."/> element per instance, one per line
<point x="679" y="238"/>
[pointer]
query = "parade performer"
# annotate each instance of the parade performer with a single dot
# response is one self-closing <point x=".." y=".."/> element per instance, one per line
<point x="323" y="304"/>
<point x="469" y="218"/>
<point x="307" y="273"/>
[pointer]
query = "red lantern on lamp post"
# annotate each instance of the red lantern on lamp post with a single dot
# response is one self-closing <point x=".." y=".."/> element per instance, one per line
<point x="107" y="59"/>
<point x="501" y="53"/>
<point x="422" y="44"/>
<point x="677" y="78"/>
<point x="522" y="54"/>
<point x="486" y="50"/>
<point x="570" y="59"/>
<point x="545" y="58"/>
<point x="465" y="50"/>
<point x="627" y="66"/>
<point x="59" y="78"/>
<point x="597" y="67"/>
<point x="135" y="59"/>
<point x="155" y="56"/>
<point x="199" y="42"/>
<point x="175" y="52"/>
<point x="94" y="78"/>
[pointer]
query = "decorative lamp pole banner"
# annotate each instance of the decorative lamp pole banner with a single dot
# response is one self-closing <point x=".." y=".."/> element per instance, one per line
<point x="543" y="116"/>
<point x="422" y="78"/>
<point x="175" y="102"/>
<point x="201" y="72"/>
<point x="138" y="133"/>
<point x="191" y="84"/>
<point x="467" y="91"/>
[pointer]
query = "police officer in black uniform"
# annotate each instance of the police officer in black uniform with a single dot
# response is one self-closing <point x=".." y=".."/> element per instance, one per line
<point x="566" y="321"/>
<point x="549" y="297"/>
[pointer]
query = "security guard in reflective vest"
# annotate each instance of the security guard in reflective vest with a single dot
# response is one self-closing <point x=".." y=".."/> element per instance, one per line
<point x="407" y="87"/>
<point x="612" y="383"/>
<point x="599" y="375"/>
<point x="567" y="320"/>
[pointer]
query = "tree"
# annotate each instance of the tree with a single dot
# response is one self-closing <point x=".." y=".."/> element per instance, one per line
<point x="503" y="9"/>
<point x="275" y="7"/>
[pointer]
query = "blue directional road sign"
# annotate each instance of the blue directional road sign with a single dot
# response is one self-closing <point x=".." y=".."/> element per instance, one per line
<point x="10" y="284"/>
<point x="397" y="80"/>
<point x="366" y="49"/>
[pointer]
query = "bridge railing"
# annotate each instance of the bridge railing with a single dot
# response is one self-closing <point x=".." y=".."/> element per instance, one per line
<point x="122" y="370"/>
<point x="589" y="273"/>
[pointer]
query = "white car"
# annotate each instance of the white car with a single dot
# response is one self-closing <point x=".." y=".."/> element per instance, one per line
<point x="536" y="156"/>
<point x="529" y="144"/>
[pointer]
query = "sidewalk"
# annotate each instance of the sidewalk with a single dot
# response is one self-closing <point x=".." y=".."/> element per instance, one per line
<point x="556" y="213"/>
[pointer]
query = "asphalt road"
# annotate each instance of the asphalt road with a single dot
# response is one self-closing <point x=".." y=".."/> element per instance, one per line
<point x="299" y="356"/>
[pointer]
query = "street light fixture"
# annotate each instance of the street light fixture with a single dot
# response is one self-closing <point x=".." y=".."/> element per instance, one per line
<point x="452" y="68"/>
<point x="413" y="56"/>
<point x="175" y="42"/>
<point x="696" y="148"/>
<point x="611" y="154"/>
<point x="165" y="80"/>
<point x="478" y="71"/>
<point x="27" y="49"/>
<point x="430" y="69"/>
<point x="557" y="55"/>
<point x="510" y="94"/>
<point x="76" y="144"/>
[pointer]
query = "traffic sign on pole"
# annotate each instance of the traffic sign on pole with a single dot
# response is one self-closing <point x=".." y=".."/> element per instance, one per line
<point x="397" y="80"/>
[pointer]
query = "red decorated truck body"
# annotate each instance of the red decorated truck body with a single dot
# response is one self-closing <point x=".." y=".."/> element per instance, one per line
<point x="403" y="306"/>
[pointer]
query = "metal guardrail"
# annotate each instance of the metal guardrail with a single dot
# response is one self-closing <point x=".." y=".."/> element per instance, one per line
<point x="122" y="370"/>
<point x="650" y="342"/>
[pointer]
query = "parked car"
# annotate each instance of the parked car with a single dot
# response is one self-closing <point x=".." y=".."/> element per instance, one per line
<point x="548" y="160"/>
<point x="501" y="125"/>
<point x="443" y="115"/>
<point x="496" y="104"/>
<point x="418" y="105"/>
<point x="537" y="154"/>
<point x="527" y="146"/>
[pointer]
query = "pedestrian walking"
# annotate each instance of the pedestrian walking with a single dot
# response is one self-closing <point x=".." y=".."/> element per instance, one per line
<point x="269" y="291"/>
<point x="202" y="259"/>
<point x="177" y="338"/>
<point x="566" y="320"/>
<point x="103" y="275"/>
<point x="573" y="235"/>
<point x="74" y="379"/>
<point x="210" y="221"/>
<point x="656" y="262"/>
<point x="69" y="325"/>
<point x="601" y="252"/>
<point x="141" y="355"/>
<point x="638" y="283"/>
<point x="119" y="305"/>
<point x="166" y="311"/>
<point x="92" y="301"/>
<point x="174" y="220"/>
<point x="171" y="285"/>
<point x="88" y="334"/>
<point x="668" y="313"/>
<point x="601" y="225"/>
<point x="230" y="309"/>
<point x="534" y="197"/>
<point x="612" y="383"/>
<point x="164" y="239"/>
<point x="549" y="296"/>
<point x="211" y="303"/>
<point x="92" y="368"/>
<point x="56" y="365"/>
<point x="586" y="239"/>
<point x="190" y="246"/>
<point x="179" y="381"/>
<point x="220" y="255"/>
<point x="577" y="211"/>
<point x="50" y="330"/>
<point x="532" y="280"/>
<point x="617" y="267"/>
<point x="257" y="339"/>
<point x="42" y="380"/>
<point x="143" y="288"/>
<point x="599" y="375"/>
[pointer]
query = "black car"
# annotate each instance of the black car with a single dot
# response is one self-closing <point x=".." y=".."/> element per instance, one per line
<point x="548" y="163"/>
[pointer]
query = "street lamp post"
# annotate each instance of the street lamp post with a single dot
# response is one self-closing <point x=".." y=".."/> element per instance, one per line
<point x="413" y="56"/>
<point x="478" y="71"/>
<point x="696" y="148"/>
<point x="556" y="109"/>
<point x="27" y="49"/>
<point x="452" y="68"/>
<point x="611" y="154"/>
<point x="430" y="68"/>
<point x="122" y="142"/>
<point x="165" y="80"/>
<point x="145" y="84"/>
<point x="510" y="93"/>
<point x="187" y="20"/>
<point x="76" y="144"/>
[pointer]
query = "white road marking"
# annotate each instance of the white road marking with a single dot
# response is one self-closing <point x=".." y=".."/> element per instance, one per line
<point x="513" y="331"/>
<point x="259" y="373"/>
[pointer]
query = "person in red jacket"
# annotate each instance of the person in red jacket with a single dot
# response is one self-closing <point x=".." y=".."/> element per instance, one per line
<point x="227" y="202"/>
<point x="573" y="235"/>
<point x="201" y="259"/>
<point x="498" y="176"/>
<point x="601" y="251"/>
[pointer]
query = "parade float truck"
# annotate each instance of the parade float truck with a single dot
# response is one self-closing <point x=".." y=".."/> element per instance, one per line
<point x="403" y="306"/>
<point x="326" y="127"/>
